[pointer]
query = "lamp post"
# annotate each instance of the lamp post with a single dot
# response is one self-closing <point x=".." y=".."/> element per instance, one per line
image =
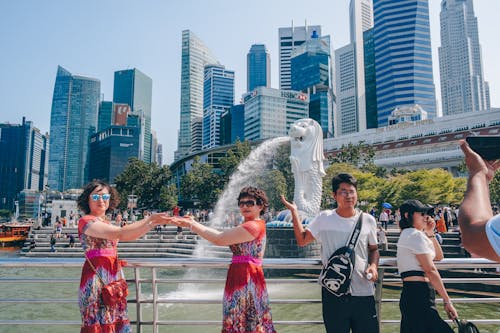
<point x="45" y="190"/>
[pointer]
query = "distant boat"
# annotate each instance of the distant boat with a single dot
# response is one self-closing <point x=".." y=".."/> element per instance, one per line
<point x="14" y="233"/>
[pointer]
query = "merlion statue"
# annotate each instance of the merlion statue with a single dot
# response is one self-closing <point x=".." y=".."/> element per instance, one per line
<point x="306" y="158"/>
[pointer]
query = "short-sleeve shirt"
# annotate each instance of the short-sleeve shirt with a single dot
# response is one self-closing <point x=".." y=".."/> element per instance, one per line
<point x="493" y="233"/>
<point x="412" y="242"/>
<point x="333" y="232"/>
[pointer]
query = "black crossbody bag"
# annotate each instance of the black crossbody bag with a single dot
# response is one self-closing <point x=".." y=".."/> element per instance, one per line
<point x="337" y="273"/>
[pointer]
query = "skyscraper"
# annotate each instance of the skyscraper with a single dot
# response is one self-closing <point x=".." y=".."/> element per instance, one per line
<point x="218" y="97"/>
<point x="352" y="105"/>
<point x="195" y="55"/>
<point x="311" y="70"/>
<point x="23" y="161"/>
<point x="73" y="120"/>
<point x="403" y="56"/>
<point x="289" y="39"/>
<point x="258" y="67"/>
<point x="463" y="88"/>
<point x="135" y="88"/>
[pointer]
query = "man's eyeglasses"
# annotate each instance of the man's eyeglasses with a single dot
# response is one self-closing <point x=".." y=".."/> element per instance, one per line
<point x="246" y="203"/>
<point x="346" y="193"/>
<point x="105" y="196"/>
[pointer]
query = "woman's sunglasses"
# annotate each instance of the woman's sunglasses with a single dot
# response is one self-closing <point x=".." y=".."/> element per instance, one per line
<point x="246" y="203"/>
<point x="105" y="196"/>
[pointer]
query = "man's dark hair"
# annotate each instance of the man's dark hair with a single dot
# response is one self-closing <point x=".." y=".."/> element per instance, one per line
<point x="83" y="199"/>
<point x="258" y="194"/>
<point x="343" y="178"/>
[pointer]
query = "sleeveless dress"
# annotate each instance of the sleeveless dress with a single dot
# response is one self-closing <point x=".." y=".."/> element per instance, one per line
<point x="246" y="302"/>
<point x="97" y="317"/>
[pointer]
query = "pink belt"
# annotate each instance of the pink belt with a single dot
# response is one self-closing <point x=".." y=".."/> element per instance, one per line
<point x="246" y="260"/>
<point x="101" y="253"/>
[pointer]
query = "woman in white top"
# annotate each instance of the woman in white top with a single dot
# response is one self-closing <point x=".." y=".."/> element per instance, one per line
<point x="417" y="248"/>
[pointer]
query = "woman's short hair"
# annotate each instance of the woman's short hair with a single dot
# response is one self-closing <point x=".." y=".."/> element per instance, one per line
<point x="83" y="199"/>
<point x="258" y="194"/>
<point x="411" y="206"/>
<point x="343" y="178"/>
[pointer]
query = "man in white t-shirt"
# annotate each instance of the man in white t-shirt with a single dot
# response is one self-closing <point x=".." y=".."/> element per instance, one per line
<point x="480" y="229"/>
<point x="384" y="218"/>
<point x="332" y="228"/>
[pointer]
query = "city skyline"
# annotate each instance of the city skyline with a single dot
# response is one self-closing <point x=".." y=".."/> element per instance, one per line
<point x="96" y="39"/>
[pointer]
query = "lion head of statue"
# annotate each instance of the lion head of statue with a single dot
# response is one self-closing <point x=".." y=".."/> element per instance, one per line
<point x="307" y="144"/>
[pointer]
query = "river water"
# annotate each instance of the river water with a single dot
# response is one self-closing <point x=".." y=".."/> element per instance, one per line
<point x="288" y="312"/>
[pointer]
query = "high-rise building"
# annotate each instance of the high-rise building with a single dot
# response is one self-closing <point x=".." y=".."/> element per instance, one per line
<point x="463" y="88"/>
<point x="289" y="39"/>
<point x="311" y="69"/>
<point x="23" y="161"/>
<point x="159" y="154"/>
<point x="258" y="67"/>
<point x="270" y="112"/>
<point x="352" y="105"/>
<point x="233" y="125"/>
<point x="195" y="55"/>
<point x="135" y="88"/>
<point x="403" y="56"/>
<point x="218" y="97"/>
<point x="111" y="149"/>
<point x="105" y="115"/>
<point x="73" y="120"/>
<point x="370" y="80"/>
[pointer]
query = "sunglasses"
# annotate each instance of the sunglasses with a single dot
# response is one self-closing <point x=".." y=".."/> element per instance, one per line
<point x="246" y="203"/>
<point x="105" y="196"/>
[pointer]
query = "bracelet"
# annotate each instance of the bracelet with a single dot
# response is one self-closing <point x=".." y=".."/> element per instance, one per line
<point x="449" y="302"/>
<point x="433" y="236"/>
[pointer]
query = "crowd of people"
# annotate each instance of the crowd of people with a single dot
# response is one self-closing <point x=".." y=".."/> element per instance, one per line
<point x="246" y="306"/>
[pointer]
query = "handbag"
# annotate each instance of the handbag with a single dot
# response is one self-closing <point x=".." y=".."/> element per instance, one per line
<point x="465" y="326"/>
<point x="114" y="292"/>
<point x="336" y="275"/>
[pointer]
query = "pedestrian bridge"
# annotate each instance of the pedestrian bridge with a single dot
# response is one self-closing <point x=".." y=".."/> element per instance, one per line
<point x="150" y="307"/>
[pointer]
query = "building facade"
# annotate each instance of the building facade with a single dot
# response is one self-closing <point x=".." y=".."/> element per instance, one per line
<point x="135" y="88"/>
<point x="403" y="56"/>
<point x="289" y="39"/>
<point x="23" y="161"/>
<point x="311" y="72"/>
<point x="195" y="55"/>
<point x="218" y="97"/>
<point x="258" y="67"/>
<point x="105" y="115"/>
<point x="270" y="112"/>
<point x="73" y="119"/>
<point x="463" y="88"/>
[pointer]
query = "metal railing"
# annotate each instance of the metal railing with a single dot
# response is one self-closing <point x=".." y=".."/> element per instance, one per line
<point x="143" y="301"/>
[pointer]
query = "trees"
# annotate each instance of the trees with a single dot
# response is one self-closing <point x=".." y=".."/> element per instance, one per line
<point x="149" y="182"/>
<point x="201" y="185"/>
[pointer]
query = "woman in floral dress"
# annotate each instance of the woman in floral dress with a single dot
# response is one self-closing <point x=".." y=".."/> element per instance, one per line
<point x="99" y="241"/>
<point x="246" y="302"/>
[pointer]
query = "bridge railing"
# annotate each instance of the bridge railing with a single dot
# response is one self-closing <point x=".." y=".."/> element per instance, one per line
<point x="148" y="277"/>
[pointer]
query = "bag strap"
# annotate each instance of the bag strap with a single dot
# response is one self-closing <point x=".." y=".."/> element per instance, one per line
<point x="355" y="233"/>
<point x="95" y="270"/>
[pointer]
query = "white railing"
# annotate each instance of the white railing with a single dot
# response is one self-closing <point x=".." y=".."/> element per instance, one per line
<point x="151" y="300"/>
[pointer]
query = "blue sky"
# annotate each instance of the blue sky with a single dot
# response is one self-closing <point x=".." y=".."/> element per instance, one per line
<point x="97" y="37"/>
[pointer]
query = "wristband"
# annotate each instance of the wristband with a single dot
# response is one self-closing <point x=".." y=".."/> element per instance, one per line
<point x="432" y="236"/>
<point x="449" y="302"/>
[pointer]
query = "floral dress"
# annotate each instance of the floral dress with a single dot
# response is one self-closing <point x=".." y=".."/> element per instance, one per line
<point x="97" y="317"/>
<point x="246" y="302"/>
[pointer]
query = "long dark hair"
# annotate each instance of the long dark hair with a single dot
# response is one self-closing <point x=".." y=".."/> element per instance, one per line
<point x="259" y="196"/>
<point x="83" y="199"/>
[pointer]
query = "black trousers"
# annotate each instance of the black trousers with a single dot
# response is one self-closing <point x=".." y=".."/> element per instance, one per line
<point x="418" y="309"/>
<point x="346" y="313"/>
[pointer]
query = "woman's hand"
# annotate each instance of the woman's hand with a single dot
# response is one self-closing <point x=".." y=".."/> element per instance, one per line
<point x="450" y="310"/>
<point x="430" y="225"/>
<point x="476" y="164"/>
<point x="179" y="221"/>
<point x="289" y="205"/>
<point x="157" y="219"/>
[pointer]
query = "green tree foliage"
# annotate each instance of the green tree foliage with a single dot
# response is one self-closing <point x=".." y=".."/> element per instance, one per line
<point x="234" y="157"/>
<point x="281" y="162"/>
<point x="149" y="182"/>
<point x="274" y="184"/>
<point x="359" y="155"/>
<point x="201" y="185"/>
<point x="495" y="189"/>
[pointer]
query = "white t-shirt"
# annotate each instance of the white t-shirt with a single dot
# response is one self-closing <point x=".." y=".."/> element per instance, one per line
<point x="493" y="232"/>
<point x="412" y="242"/>
<point x="333" y="232"/>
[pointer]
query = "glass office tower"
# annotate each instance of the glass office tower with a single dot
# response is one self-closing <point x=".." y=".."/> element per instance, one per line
<point x="195" y="55"/>
<point x="258" y="67"/>
<point x="403" y="57"/>
<point x="135" y="88"/>
<point x="73" y="120"/>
